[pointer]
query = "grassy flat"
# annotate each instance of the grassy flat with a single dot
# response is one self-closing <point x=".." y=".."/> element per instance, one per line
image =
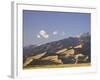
<point x="58" y="66"/>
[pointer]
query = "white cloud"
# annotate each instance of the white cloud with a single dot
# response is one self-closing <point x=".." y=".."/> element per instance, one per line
<point x="55" y="33"/>
<point x="44" y="34"/>
<point x="38" y="36"/>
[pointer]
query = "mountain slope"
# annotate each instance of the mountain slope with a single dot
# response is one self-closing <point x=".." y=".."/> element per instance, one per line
<point x="71" y="50"/>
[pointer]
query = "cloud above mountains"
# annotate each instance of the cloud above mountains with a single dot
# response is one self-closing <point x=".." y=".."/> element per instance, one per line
<point x="55" y="33"/>
<point x="38" y="36"/>
<point x="44" y="34"/>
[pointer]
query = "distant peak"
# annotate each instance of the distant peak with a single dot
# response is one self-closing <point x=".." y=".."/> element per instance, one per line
<point x="83" y="34"/>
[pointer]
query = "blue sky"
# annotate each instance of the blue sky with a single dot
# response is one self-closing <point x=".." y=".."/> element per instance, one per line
<point x="40" y="27"/>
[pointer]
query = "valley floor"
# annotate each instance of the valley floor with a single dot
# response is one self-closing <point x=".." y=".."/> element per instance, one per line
<point x="57" y="66"/>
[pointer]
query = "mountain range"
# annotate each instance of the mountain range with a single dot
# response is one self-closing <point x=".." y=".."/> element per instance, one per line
<point x="71" y="50"/>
